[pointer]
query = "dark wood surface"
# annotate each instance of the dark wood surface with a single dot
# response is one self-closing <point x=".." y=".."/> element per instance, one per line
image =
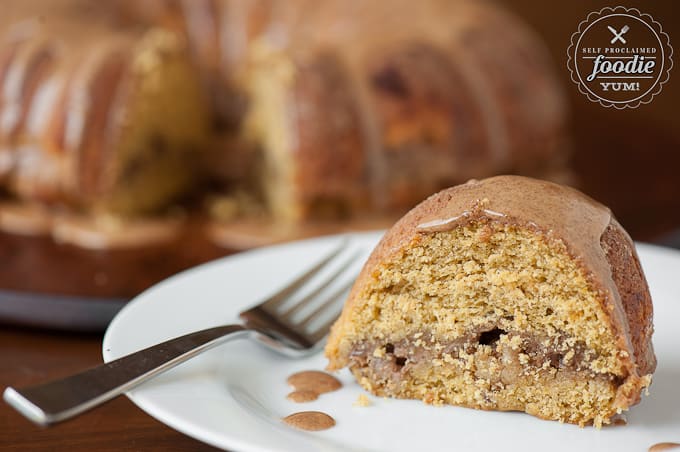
<point x="32" y="356"/>
<point x="627" y="159"/>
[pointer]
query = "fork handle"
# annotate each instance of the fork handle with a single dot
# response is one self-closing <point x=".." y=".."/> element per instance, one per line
<point x="63" y="399"/>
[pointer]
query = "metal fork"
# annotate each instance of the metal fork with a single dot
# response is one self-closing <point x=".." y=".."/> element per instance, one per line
<point x="272" y="322"/>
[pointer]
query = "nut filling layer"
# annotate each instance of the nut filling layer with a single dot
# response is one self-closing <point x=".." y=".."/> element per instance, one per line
<point x="495" y="359"/>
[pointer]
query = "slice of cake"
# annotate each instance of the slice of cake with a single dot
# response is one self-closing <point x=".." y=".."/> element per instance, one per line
<point x="503" y="294"/>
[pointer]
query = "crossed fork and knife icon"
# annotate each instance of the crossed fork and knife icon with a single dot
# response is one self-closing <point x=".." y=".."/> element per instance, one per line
<point x="618" y="35"/>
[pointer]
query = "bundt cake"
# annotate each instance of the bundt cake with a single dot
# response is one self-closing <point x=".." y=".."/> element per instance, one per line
<point x="94" y="115"/>
<point x="355" y="106"/>
<point x="300" y="110"/>
<point x="507" y="293"/>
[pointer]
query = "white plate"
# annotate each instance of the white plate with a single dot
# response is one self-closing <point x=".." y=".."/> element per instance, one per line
<point x="235" y="395"/>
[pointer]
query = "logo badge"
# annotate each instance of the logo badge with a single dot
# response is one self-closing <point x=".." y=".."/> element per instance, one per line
<point x="620" y="57"/>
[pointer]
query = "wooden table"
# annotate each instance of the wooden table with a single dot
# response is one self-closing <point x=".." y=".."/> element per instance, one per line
<point x="28" y="356"/>
<point x="31" y="355"/>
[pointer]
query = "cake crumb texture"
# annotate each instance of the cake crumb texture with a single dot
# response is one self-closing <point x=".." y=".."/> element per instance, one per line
<point x="362" y="401"/>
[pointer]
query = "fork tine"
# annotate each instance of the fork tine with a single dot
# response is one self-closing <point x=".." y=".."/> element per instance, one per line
<point x="287" y="291"/>
<point x="323" y="307"/>
<point x="278" y="331"/>
<point x="329" y="280"/>
<point x="318" y="334"/>
<point x="330" y="305"/>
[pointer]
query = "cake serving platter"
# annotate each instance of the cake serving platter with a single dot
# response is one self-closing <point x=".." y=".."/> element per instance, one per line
<point x="234" y="396"/>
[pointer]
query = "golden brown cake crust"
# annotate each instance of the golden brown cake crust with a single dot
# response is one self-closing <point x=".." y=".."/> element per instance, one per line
<point x="591" y="235"/>
<point x="326" y="177"/>
<point x="632" y="287"/>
